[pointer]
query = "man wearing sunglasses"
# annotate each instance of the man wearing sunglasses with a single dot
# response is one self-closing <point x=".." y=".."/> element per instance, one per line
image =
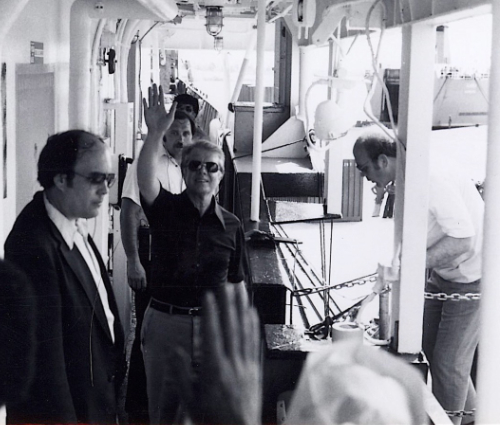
<point x="197" y="246"/>
<point x="135" y="238"/>
<point x="80" y="361"/>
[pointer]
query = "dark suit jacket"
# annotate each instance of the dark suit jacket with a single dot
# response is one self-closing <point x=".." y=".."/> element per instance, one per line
<point x="78" y="368"/>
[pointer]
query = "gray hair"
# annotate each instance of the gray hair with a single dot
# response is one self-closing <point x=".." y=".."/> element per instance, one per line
<point x="203" y="145"/>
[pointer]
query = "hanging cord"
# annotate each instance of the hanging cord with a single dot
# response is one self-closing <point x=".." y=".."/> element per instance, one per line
<point x="271" y="149"/>
<point x="378" y="78"/>
<point x="481" y="91"/>
<point x="310" y="274"/>
<point x="440" y="89"/>
<point x="147" y="32"/>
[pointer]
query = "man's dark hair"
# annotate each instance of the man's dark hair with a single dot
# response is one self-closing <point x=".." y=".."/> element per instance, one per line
<point x="61" y="152"/>
<point x="202" y="145"/>
<point x="181" y="115"/>
<point x="376" y="144"/>
<point x="187" y="99"/>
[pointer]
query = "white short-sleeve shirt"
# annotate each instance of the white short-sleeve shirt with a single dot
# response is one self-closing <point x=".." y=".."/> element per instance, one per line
<point x="169" y="174"/>
<point x="455" y="209"/>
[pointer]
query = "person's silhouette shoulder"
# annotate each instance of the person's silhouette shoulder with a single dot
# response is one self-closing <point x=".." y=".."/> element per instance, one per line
<point x="17" y="333"/>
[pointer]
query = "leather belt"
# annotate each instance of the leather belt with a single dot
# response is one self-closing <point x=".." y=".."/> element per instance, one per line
<point x="173" y="309"/>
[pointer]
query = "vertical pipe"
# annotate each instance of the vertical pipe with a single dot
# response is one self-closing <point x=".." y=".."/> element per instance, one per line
<point x="79" y="67"/>
<point x="332" y="56"/>
<point x="258" y="112"/>
<point x="384" y="316"/>
<point x="243" y="69"/>
<point x="415" y="122"/>
<point x="335" y="155"/>
<point x="94" y="84"/>
<point x="119" y="55"/>
<point x="304" y="83"/>
<point x="489" y="367"/>
<point x="126" y="41"/>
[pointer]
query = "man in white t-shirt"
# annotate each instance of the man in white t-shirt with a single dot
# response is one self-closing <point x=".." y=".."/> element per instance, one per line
<point x="134" y="224"/>
<point x="454" y="243"/>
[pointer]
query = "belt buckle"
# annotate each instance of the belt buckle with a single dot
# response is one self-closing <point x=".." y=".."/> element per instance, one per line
<point x="193" y="311"/>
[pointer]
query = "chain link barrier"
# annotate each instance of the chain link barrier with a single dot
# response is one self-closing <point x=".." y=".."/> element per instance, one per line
<point x="460" y="413"/>
<point x="349" y="284"/>
<point x="441" y="296"/>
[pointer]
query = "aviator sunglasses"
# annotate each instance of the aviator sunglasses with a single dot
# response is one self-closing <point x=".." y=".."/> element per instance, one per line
<point x="98" y="178"/>
<point x="212" y="167"/>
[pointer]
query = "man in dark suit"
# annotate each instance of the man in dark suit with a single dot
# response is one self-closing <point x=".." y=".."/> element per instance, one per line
<point x="79" y="363"/>
<point x="17" y="333"/>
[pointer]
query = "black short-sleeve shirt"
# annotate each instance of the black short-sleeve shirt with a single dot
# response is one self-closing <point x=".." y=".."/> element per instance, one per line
<point x="189" y="253"/>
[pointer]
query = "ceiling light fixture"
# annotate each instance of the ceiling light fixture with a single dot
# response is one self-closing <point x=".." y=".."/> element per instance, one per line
<point x="214" y="19"/>
<point x="218" y="43"/>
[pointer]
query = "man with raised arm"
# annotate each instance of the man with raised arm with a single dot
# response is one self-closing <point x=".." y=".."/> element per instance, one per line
<point x="135" y="238"/>
<point x="196" y="246"/>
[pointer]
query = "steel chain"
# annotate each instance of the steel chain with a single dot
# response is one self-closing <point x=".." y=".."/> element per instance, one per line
<point x="460" y="413"/>
<point x="441" y="296"/>
<point x="349" y="284"/>
<point x="356" y="282"/>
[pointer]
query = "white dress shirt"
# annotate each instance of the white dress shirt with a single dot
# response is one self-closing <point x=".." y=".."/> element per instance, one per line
<point x="74" y="232"/>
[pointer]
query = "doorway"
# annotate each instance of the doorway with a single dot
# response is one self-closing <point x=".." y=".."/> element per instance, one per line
<point x="35" y="121"/>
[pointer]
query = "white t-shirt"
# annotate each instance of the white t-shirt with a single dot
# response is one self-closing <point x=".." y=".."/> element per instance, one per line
<point x="169" y="174"/>
<point x="455" y="209"/>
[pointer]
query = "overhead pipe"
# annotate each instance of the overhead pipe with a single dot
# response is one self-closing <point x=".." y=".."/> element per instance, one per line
<point x="166" y="10"/>
<point x="258" y="112"/>
<point x="94" y="74"/>
<point x="83" y="22"/>
<point x="488" y="392"/>
<point x="157" y="10"/>
<point x="81" y="16"/>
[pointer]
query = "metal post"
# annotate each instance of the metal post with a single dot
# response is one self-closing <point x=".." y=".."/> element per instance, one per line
<point x="488" y="410"/>
<point x="258" y="112"/>
<point x="415" y="122"/>
<point x="79" y="66"/>
<point x="243" y="69"/>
